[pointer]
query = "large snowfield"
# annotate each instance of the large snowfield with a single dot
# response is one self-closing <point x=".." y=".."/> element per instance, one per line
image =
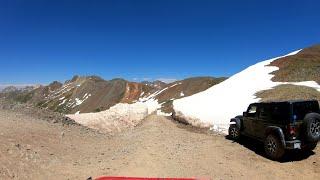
<point x="217" y="105"/>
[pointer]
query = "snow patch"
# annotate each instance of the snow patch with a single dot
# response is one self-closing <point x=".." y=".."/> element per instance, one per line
<point x="160" y="113"/>
<point x="117" y="118"/>
<point x="64" y="101"/>
<point x="80" y="101"/>
<point x="152" y="105"/>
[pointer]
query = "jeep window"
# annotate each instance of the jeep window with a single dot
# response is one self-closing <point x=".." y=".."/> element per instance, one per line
<point x="252" y="110"/>
<point x="300" y="109"/>
<point x="264" y="112"/>
<point x="280" y="112"/>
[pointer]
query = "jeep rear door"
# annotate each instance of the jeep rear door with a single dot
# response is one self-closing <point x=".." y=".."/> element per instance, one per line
<point x="271" y="114"/>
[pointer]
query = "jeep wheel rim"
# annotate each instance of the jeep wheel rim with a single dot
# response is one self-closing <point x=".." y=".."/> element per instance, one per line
<point x="271" y="146"/>
<point x="234" y="132"/>
<point x="315" y="128"/>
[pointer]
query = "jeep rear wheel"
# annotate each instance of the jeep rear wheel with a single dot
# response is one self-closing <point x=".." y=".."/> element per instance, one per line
<point x="312" y="127"/>
<point x="234" y="132"/>
<point x="273" y="147"/>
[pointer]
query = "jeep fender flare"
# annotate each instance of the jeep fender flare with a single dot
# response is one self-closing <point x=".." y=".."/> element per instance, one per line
<point x="276" y="131"/>
<point x="237" y="122"/>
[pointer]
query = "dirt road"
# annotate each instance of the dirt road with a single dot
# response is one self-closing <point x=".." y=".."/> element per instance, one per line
<point x="35" y="149"/>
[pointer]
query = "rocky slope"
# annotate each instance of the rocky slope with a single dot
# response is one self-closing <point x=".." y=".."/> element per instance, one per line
<point x="94" y="94"/>
<point x="302" y="67"/>
<point x="156" y="84"/>
<point x="184" y="88"/>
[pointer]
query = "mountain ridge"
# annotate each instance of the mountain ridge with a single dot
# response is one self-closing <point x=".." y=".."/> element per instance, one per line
<point x="85" y="94"/>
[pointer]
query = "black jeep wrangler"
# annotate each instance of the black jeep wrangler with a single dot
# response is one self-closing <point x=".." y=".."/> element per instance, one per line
<point x="280" y="125"/>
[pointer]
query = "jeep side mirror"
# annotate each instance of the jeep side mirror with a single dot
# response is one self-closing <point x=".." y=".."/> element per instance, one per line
<point x="245" y="114"/>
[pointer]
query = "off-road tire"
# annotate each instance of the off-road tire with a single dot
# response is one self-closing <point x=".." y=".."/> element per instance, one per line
<point x="234" y="132"/>
<point x="273" y="147"/>
<point x="312" y="127"/>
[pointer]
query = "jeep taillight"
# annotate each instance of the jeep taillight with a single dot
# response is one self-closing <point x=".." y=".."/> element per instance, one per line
<point x="292" y="130"/>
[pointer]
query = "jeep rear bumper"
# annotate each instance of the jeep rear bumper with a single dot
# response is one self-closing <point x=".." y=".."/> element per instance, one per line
<point x="295" y="144"/>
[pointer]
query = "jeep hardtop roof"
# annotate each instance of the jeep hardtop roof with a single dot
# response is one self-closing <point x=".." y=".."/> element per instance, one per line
<point x="290" y="102"/>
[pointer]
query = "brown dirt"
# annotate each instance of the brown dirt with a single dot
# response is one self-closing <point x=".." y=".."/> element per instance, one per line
<point x="35" y="149"/>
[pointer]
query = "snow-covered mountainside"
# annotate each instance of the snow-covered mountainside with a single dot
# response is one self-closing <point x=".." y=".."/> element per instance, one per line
<point x="217" y="105"/>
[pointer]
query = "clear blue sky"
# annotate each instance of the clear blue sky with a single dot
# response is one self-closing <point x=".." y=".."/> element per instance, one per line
<point x="42" y="40"/>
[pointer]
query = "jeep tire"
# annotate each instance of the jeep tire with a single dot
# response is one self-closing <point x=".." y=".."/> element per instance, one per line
<point x="273" y="147"/>
<point x="234" y="132"/>
<point x="312" y="127"/>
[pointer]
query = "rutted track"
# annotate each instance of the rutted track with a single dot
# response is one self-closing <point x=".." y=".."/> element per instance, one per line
<point x="159" y="147"/>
